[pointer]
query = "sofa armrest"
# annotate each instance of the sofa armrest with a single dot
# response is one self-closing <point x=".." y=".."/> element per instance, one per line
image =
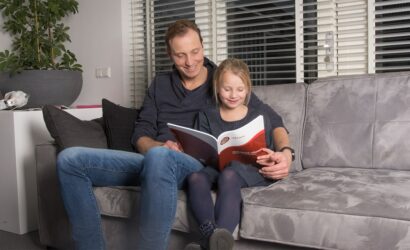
<point x="53" y="225"/>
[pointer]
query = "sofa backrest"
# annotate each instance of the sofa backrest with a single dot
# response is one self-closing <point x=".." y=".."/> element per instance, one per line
<point x="358" y="122"/>
<point x="288" y="100"/>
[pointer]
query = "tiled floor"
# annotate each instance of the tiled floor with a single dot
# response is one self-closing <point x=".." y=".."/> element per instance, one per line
<point x="10" y="241"/>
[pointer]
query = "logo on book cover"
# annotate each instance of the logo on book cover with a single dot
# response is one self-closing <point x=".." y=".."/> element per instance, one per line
<point x="224" y="140"/>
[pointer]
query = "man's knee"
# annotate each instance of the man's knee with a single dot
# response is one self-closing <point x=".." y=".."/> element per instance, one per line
<point x="158" y="164"/>
<point x="66" y="158"/>
<point x="157" y="154"/>
<point x="158" y="159"/>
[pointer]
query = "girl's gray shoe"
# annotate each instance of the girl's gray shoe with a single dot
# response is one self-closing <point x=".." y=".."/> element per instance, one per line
<point x="221" y="239"/>
<point x="193" y="246"/>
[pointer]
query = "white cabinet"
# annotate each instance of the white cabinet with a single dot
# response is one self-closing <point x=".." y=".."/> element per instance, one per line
<point x="20" y="131"/>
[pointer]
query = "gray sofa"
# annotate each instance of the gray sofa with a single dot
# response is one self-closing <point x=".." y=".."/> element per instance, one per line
<point x="349" y="186"/>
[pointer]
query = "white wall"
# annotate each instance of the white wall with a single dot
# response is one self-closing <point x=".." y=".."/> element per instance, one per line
<point x="5" y="40"/>
<point x="99" y="39"/>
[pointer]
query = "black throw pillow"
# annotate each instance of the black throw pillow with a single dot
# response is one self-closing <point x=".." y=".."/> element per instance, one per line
<point x="119" y="125"/>
<point x="68" y="131"/>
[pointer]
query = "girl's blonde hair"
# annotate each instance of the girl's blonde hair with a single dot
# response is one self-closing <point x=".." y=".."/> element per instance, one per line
<point x="238" y="68"/>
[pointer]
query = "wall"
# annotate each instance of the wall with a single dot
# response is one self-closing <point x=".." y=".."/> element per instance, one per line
<point x="99" y="39"/>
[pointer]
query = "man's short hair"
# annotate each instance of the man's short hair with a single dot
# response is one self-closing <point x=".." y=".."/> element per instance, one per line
<point x="179" y="28"/>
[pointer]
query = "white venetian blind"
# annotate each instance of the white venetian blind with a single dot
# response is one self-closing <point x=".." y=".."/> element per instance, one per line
<point x="392" y="43"/>
<point x="315" y="39"/>
<point x="138" y="55"/>
<point x="351" y="37"/>
<point x="282" y="41"/>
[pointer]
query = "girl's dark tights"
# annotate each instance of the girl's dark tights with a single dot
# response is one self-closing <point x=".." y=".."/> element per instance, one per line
<point x="227" y="210"/>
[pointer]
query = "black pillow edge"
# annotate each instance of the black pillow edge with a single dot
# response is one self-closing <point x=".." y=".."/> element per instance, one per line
<point x="49" y="121"/>
<point x="112" y="121"/>
<point x="52" y="114"/>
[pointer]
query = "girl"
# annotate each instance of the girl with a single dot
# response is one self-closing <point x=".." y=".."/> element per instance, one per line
<point x="232" y="89"/>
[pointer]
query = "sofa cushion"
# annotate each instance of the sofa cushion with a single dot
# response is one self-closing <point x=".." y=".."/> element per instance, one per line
<point x="331" y="208"/>
<point x="117" y="201"/>
<point x="391" y="144"/>
<point x="288" y="100"/>
<point x="339" y="118"/>
<point x="119" y="125"/>
<point x="68" y="131"/>
<point x="121" y="201"/>
<point x="358" y="122"/>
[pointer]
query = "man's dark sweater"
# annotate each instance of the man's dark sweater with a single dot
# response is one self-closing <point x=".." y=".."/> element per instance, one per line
<point x="167" y="100"/>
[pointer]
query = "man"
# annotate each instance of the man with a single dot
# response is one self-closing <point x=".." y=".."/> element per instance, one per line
<point x="174" y="97"/>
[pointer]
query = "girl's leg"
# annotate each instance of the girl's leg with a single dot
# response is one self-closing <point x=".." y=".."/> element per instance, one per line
<point x="199" y="196"/>
<point x="228" y="202"/>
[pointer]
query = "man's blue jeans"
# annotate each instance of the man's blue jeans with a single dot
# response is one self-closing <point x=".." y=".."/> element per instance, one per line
<point x="160" y="173"/>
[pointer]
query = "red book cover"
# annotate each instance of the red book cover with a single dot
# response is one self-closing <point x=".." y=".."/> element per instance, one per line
<point x="240" y="144"/>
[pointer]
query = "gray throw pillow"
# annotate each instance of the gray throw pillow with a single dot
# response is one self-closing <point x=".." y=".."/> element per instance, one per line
<point x="69" y="131"/>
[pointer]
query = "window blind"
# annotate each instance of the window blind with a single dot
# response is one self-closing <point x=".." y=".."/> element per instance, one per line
<point x="282" y="41"/>
<point x="392" y="35"/>
<point x="315" y="34"/>
<point x="138" y="54"/>
<point x="351" y="37"/>
<point x="260" y="32"/>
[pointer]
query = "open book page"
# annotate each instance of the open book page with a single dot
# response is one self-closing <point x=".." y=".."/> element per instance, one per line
<point x="197" y="144"/>
<point x="239" y="144"/>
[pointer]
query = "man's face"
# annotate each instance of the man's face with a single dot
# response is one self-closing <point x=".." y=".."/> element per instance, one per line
<point x="187" y="53"/>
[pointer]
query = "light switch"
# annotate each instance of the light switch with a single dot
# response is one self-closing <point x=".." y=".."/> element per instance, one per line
<point x="103" y="72"/>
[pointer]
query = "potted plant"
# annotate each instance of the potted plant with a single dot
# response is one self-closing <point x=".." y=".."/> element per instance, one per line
<point x="38" y="62"/>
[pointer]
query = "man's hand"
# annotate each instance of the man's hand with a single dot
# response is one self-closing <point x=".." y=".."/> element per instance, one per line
<point x="145" y="143"/>
<point x="275" y="165"/>
<point x="173" y="146"/>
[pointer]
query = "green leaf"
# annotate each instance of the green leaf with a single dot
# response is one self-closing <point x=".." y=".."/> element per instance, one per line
<point x="38" y="34"/>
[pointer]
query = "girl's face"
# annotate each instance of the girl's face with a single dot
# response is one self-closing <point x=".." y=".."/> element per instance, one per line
<point x="232" y="91"/>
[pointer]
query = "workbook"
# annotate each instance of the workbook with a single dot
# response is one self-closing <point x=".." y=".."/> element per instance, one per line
<point x="241" y="144"/>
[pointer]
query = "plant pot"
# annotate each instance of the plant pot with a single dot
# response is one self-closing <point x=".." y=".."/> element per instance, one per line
<point x="55" y="87"/>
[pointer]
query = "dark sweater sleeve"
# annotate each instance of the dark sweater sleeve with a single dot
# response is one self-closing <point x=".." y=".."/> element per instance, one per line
<point x="146" y="124"/>
<point x="202" y="123"/>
